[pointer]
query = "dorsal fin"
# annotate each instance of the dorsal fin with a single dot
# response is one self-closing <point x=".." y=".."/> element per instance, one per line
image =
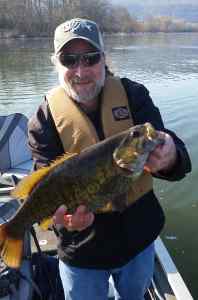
<point x="26" y="185"/>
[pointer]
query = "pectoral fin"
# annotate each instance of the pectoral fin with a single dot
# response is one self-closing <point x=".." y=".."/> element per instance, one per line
<point x="46" y="223"/>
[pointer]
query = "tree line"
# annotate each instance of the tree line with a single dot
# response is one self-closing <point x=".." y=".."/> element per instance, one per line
<point x="40" y="17"/>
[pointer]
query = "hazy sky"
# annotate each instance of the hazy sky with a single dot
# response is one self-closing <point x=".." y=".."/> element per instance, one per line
<point x="155" y="2"/>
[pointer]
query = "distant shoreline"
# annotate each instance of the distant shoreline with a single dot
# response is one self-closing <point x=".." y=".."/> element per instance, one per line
<point x="11" y="34"/>
<point x="5" y="35"/>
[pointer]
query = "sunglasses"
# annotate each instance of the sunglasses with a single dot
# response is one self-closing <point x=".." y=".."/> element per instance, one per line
<point x="88" y="59"/>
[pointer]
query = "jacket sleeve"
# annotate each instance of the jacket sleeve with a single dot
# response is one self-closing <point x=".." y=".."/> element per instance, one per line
<point x="43" y="139"/>
<point x="143" y="110"/>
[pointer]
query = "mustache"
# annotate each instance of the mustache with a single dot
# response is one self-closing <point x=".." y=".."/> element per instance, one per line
<point x="83" y="79"/>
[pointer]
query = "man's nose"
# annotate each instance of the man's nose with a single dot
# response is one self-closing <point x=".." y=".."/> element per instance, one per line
<point x="80" y="69"/>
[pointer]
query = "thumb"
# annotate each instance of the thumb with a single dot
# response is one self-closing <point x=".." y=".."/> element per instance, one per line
<point x="58" y="217"/>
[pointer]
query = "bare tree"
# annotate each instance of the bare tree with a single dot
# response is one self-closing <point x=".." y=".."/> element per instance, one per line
<point x="40" y="17"/>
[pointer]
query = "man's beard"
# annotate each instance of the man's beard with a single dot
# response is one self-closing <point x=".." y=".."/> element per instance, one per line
<point x="84" y="95"/>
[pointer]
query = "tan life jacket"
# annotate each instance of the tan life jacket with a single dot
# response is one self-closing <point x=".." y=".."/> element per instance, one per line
<point x="77" y="132"/>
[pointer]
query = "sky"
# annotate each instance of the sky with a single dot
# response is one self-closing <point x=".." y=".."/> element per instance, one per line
<point x="154" y="2"/>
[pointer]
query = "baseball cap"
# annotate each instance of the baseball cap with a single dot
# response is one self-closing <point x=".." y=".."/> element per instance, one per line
<point x="78" y="29"/>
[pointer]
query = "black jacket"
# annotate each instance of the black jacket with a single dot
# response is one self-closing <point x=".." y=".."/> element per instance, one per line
<point x="114" y="238"/>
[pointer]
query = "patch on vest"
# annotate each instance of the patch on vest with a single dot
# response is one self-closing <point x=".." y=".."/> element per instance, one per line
<point x="120" y="113"/>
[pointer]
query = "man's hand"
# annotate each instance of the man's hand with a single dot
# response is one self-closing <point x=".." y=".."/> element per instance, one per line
<point x="80" y="220"/>
<point x="164" y="156"/>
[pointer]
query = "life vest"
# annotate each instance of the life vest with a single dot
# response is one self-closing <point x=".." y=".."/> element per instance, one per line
<point x="77" y="132"/>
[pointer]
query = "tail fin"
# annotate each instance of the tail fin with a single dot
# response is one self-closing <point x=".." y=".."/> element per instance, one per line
<point x="11" y="249"/>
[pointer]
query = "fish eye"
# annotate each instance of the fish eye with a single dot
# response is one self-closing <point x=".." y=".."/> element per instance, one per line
<point x="136" y="134"/>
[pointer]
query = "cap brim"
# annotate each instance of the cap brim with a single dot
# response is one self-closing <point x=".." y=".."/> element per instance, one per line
<point x="79" y="38"/>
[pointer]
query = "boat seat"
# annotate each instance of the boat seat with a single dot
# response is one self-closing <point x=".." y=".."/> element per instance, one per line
<point x="16" y="160"/>
<point x="13" y="175"/>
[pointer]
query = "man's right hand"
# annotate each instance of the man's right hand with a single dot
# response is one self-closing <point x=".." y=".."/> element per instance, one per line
<point x="80" y="220"/>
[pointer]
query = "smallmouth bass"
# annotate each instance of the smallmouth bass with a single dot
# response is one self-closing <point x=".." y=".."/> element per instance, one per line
<point x="99" y="175"/>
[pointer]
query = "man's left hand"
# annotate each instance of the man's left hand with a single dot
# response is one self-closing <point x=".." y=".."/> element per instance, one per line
<point x="164" y="156"/>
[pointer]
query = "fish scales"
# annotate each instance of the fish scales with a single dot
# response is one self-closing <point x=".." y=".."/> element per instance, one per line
<point x="95" y="177"/>
<point x="60" y="186"/>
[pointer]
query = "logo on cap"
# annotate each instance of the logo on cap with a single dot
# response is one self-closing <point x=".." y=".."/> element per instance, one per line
<point x="120" y="113"/>
<point x="75" y="25"/>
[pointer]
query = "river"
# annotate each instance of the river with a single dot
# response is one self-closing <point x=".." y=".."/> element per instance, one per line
<point x="168" y="65"/>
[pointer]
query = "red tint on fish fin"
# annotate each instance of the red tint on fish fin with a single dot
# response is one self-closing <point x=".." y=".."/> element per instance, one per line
<point x="2" y="234"/>
<point x="11" y="250"/>
<point x="147" y="169"/>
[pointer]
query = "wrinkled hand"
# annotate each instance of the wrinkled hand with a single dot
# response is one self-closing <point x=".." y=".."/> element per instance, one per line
<point x="80" y="220"/>
<point x="164" y="156"/>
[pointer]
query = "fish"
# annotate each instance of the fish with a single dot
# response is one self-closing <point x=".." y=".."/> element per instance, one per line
<point x="96" y="177"/>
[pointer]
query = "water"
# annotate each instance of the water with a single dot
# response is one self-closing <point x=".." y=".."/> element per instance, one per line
<point x="168" y="65"/>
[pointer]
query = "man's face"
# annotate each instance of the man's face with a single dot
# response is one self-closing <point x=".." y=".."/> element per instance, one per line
<point x="82" y="83"/>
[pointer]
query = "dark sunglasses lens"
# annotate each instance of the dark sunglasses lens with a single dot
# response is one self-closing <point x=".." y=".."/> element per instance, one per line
<point x="91" y="59"/>
<point x="69" y="61"/>
<point x="73" y="60"/>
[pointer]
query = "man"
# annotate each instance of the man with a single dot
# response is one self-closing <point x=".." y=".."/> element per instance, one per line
<point x="89" y="105"/>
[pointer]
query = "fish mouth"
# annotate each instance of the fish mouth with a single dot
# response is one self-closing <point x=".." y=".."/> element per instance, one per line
<point x="128" y="169"/>
<point x="125" y="167"/>
<point x="122" y="164"/>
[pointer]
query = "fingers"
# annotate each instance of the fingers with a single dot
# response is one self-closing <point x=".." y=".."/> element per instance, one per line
<point x="58" y="217"/>
<point x="163" y="156"/>
<point x="81" y="219"/>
